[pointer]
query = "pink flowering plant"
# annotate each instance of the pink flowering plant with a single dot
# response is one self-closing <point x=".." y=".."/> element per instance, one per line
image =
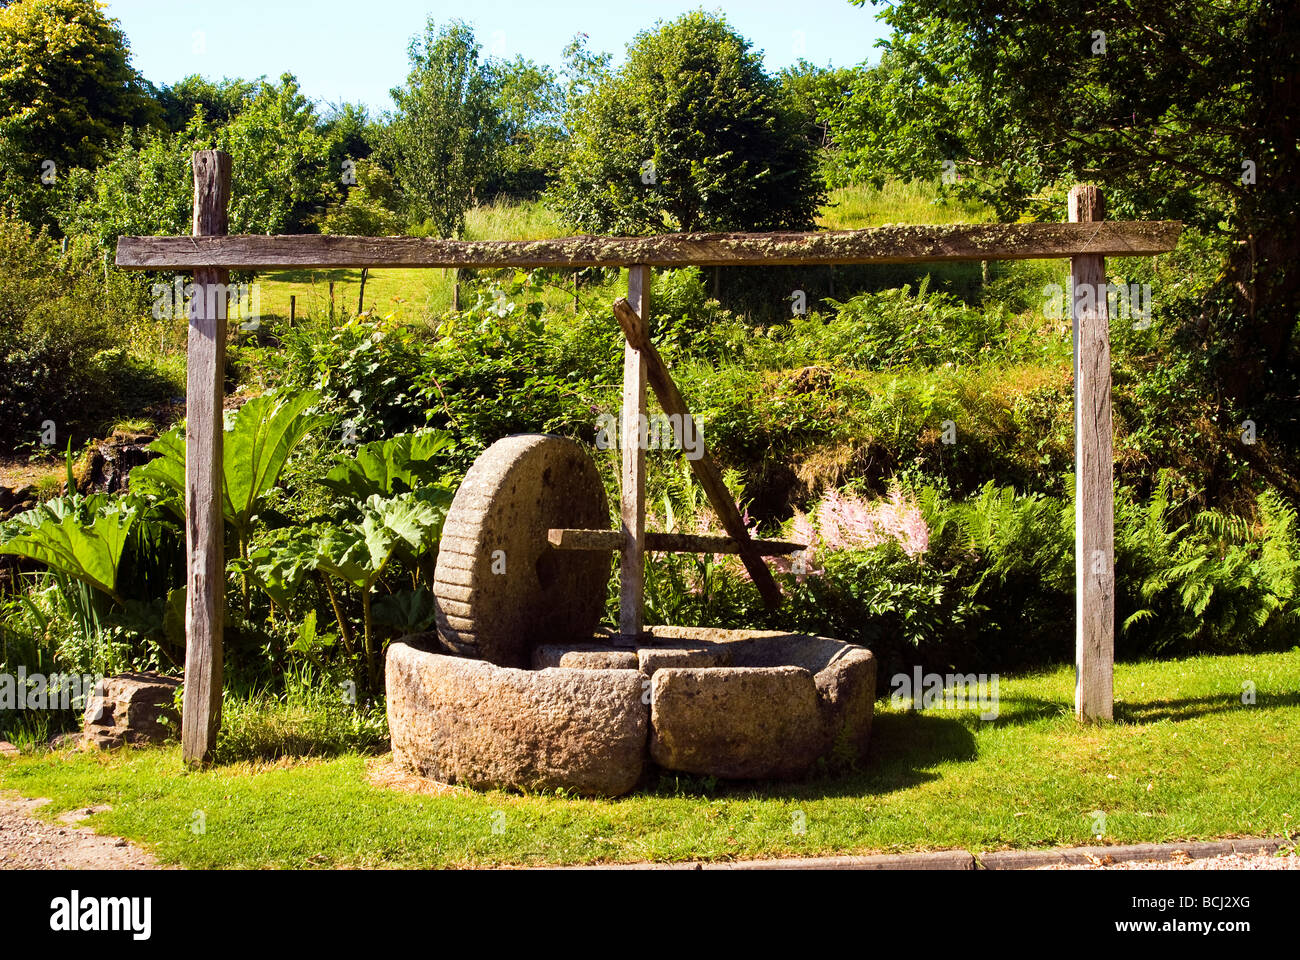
<point x="845" y="521"/>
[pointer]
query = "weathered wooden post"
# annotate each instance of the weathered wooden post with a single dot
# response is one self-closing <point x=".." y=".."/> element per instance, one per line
<point x="631" y="605"/>
<point x="1094" y="520"/>
<point x="205" y="565"/>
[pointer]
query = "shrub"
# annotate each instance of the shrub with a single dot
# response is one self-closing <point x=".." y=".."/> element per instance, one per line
<point x="56" y="316"/>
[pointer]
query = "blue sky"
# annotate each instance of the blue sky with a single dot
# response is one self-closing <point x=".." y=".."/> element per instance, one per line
<point x="356" y="51"/>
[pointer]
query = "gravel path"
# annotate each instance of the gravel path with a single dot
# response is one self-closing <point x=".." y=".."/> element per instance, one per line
<point x="30" y="844"/>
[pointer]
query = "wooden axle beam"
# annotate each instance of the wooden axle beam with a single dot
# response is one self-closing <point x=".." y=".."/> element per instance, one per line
<point x="571" y="539"/>
<point x="893" y="244"/>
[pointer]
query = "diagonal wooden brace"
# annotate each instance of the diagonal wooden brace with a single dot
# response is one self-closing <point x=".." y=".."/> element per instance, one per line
<point x="706" y="471"/>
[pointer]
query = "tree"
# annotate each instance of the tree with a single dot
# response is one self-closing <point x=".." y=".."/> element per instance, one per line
<point x="66" y="90"/>
<point x="811" y="92"/>
<point x="445" y="133"/>
<point x="529" y="103"/>
<point x="1181" y="111"/>
<point x="282" y="178"/>
<point x="351" y="133"/>
<point x="220" y="102"/>
<point x="689" y="134"/>
<point x="370" y="209"/>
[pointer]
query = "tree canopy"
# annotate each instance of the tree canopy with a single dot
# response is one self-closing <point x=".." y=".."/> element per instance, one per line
<point x="689" y="134"/>
<point x="67" y="89"/>
<point x="1181" y="111"/>
<point x="444" y="136"/>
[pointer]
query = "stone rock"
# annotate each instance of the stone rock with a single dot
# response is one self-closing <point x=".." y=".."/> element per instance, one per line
<point x="584" y="656"/>
<point x="14" y="502"/>
<point x="7" y="749"/>
<point x="652" y="659"/>
<point x="66" y="741"/>
<point x="500" y="589"/>
<point x="736" y="704"/>
<point x="130" y="709"/>
<point x="736" y="722"/>
<point x="844" y="675"/>
<point x="472" y="722"/>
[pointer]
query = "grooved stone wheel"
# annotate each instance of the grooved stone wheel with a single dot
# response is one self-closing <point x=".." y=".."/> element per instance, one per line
<point x="500" y="588"/>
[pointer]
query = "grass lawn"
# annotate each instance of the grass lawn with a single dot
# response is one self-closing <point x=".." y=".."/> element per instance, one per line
<point x="1185" y="760"/>
<point x="858" y="207"/>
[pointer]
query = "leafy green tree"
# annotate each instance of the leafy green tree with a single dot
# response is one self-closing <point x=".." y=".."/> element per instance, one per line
<point x="218" y="101"/>
<point x="281" y="182"/>
<point x="371" y="207"/>
<point x="811" y="92"/>
<point x="282" y="178"/>
<point x="352" y="136"/>
<point x="66" y="89"/>
<point x="1183" y="111"/>
<point x="689" y="134"/>
<point x="145" y="187"/>
<point x="530" y="104"/>
<point x="446" y="132"/>
<point x="583" y="70"/>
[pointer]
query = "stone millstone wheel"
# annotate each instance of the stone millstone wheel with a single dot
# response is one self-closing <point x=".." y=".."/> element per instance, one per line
<point x="500" y="588"/>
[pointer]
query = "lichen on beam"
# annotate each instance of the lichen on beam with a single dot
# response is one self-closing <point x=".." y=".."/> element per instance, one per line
<point x="887" y="244"/>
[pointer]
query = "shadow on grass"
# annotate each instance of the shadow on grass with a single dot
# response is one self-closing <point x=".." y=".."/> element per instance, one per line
<point x="904" y="748"/>
<point x="1189" y="708"/>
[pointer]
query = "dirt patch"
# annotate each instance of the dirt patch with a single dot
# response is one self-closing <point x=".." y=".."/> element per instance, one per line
<point x="383" y="773"/>
<point x="18" y="473"/>
<point x="27" y="843"/>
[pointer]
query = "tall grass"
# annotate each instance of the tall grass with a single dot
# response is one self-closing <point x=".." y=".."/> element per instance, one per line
<point x="308" y="716"/>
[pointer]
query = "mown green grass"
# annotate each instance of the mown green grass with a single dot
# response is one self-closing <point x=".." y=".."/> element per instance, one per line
<point x="405" y="295"/>
<point x="1186" y="759"/>
<point x="858" y="207"/>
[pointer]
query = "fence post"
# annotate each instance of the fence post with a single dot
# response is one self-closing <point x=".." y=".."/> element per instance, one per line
<point x="1094" y="519"/>
<point x="631" y="602"/>
<point x="205" y="566"/>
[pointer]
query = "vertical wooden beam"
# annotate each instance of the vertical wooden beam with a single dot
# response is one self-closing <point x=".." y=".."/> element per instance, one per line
<point x="631" y="605"/>
<point x="1094" y="520"/>
<point x="706" y="471"/>
<point x="205" y="565"/>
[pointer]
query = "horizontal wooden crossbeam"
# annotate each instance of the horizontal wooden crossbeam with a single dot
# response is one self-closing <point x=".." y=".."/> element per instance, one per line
<point x="892" y="244"/>
<point x="572" y="539"/>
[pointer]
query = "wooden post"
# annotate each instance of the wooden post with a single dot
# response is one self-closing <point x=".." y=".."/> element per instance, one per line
<point x="706" y="471"/>
<point x="1094" y="520"/>
<point x="361" y="297"/>
<point x="205" y="566"/>
<point x="331" y="301"/>
<point x="631" y="605"/>
<point x="293" y="309"/>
